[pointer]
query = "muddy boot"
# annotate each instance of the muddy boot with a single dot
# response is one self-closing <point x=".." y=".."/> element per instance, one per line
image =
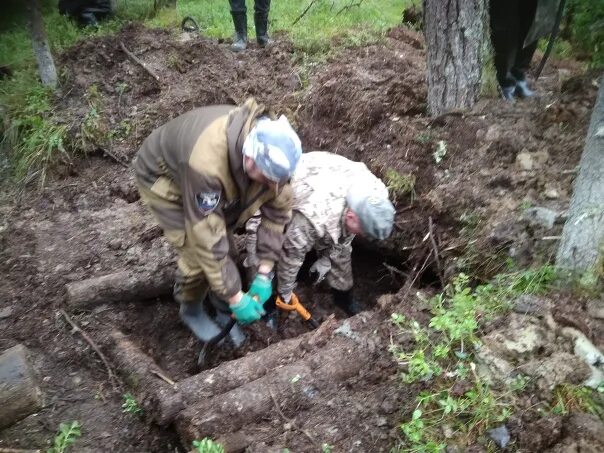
<point x="261" y="23"/>
<point x="522" y="90"/>
<point x="194" y="315"/>
<point x="345" y="301"/>
<point x="223" y="317"/>
<point x="240" y="39"/>
<point x="236" y="334"/>
<point x="508" y="93"/>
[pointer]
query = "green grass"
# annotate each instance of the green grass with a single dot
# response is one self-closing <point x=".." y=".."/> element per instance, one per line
<point x="315" y="31"/>
<point x="34" y="139"/>
<point x="442" y="355"/>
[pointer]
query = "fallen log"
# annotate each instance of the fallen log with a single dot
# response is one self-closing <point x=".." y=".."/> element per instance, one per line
<point x="20" y="395"/>
<point x="148" y="381"/>
<point x="119" y="286"/>
<point x="235" y="373"/>
<point x="303" y="383"/>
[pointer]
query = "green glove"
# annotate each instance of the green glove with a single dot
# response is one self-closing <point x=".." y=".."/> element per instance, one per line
<point x="247" y="310"/>
<point x="262" y="288"/>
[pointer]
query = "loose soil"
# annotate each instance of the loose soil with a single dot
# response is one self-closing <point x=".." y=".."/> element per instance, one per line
<point x="367" y="104"/>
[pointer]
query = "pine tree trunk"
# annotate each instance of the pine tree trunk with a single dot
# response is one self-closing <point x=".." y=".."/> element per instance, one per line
<point x="582" y="245"/>
<point x="46" y="64"/>
<point x="455" y="33"/>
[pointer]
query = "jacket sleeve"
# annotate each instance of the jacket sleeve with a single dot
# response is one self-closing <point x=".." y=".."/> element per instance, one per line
<point x="299" y="240"/>
<point x="207" y="233"/>
<point x="275" y="214"/>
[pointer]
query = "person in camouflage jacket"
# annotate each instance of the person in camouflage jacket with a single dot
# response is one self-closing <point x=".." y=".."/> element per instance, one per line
<point x="204" y="174"/>
<point x="334" y="199"/>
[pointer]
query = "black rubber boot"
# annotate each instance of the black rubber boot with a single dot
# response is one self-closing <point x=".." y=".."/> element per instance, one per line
<point x="261" y="23"/>
<point x="345" y="301"/>
<point x="240" y="23"/>
<point x="194" y="315"/>
<point x="261" y="9"/>
<point x="508" y="93"/>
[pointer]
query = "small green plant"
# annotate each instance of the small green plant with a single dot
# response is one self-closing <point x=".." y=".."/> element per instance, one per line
<point x="576" y="398"/>
<point x="519" y="383"/>
<point x="207" y="445"/>
<point x="326" y="448"/>
<point x="400" y="184"/>
<point x="66" y="437"/>
<point x="443" y="354"/>
<point x="130" y="405"/>
<point x="425" y="137"/>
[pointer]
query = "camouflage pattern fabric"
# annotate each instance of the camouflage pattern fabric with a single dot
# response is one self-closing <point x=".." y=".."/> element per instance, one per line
<point x="320" y="185"/>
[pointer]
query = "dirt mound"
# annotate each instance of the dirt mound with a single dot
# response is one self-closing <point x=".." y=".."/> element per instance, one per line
<point x="364" y="87"/>
<point x="192" y="71"/>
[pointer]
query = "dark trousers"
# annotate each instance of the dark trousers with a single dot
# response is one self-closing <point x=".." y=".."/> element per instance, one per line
<point x="260" y="6"/>
<point x="510" y="23"/>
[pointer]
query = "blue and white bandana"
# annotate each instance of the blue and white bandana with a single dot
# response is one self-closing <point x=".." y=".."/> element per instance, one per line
<point x="274" y="147"/>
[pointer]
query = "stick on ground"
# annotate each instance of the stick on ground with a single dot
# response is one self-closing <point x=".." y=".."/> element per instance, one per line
<point x="303" y="12"/>
<point x="93" y="345"/>
<point x="139" y="62"/>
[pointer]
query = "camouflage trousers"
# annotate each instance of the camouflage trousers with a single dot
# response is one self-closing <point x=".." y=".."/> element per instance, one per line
<point x="334" y="259"/>
<point x="164" y="200"/>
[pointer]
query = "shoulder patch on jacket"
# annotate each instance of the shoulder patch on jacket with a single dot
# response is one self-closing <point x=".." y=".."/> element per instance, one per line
<point x="207" y="201"/>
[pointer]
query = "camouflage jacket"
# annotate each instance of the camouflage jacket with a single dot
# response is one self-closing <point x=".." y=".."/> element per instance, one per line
<point x="200" y="153"/>
<point x="320" y="185"/>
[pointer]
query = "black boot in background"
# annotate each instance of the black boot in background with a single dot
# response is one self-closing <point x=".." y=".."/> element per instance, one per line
<point x="240" y="23"/>
<point x="345" y="301"/>
<point x="261" y="9"/>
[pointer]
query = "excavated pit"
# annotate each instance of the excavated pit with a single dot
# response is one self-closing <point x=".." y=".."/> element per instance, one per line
<point x="340" y="386"/>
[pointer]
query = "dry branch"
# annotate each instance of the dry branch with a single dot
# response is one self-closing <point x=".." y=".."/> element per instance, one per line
<point x="139" y="62"/>
<point x="303" y="12"/>
<point x="349" y="6"/>
<point x="95" y="348"/>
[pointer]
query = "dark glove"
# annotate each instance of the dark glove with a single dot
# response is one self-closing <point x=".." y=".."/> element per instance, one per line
<point x="346" y="301"/>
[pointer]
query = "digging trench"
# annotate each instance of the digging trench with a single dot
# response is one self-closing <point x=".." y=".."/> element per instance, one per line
<point x="288" y="370"/>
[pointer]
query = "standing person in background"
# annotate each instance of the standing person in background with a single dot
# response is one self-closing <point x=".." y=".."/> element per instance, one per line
<point x="239" y="13"/>
<point x="516" y="27"/>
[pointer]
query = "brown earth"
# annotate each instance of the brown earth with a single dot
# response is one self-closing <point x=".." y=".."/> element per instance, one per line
<point x="367" y="104"/>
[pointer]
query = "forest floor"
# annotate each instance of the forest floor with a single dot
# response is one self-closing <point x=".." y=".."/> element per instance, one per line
<point x="475" y="191"/>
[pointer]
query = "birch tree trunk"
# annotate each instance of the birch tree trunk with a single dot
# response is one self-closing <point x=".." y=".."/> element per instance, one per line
<point x="455" y="33"/>
<point x="582" y="245"/>
<point x="46" y="64"/>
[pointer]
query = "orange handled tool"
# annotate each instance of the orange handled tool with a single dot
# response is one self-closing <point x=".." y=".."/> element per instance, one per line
<point x="295" y="305"/>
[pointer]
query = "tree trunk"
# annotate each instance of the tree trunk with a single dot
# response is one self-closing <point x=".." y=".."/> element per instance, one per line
<point x="20" y="395"/>
<point x="582" y="245"/>
<point x="455" y="33"/>
<point x="119" y="286"/>
<point x="46" y="64"/>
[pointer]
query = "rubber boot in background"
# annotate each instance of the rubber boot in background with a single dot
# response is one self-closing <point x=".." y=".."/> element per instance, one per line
<point x="345" y="300"/>
<point x="240" y="23"/>
<point x="261" y="10"/>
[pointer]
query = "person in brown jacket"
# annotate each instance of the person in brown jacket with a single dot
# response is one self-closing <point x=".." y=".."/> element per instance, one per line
<point x="203" y="175"/>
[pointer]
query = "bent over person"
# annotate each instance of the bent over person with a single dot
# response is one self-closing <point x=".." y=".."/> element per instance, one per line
<point x="202" y="175"/>
<point x="334" y="200"/>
